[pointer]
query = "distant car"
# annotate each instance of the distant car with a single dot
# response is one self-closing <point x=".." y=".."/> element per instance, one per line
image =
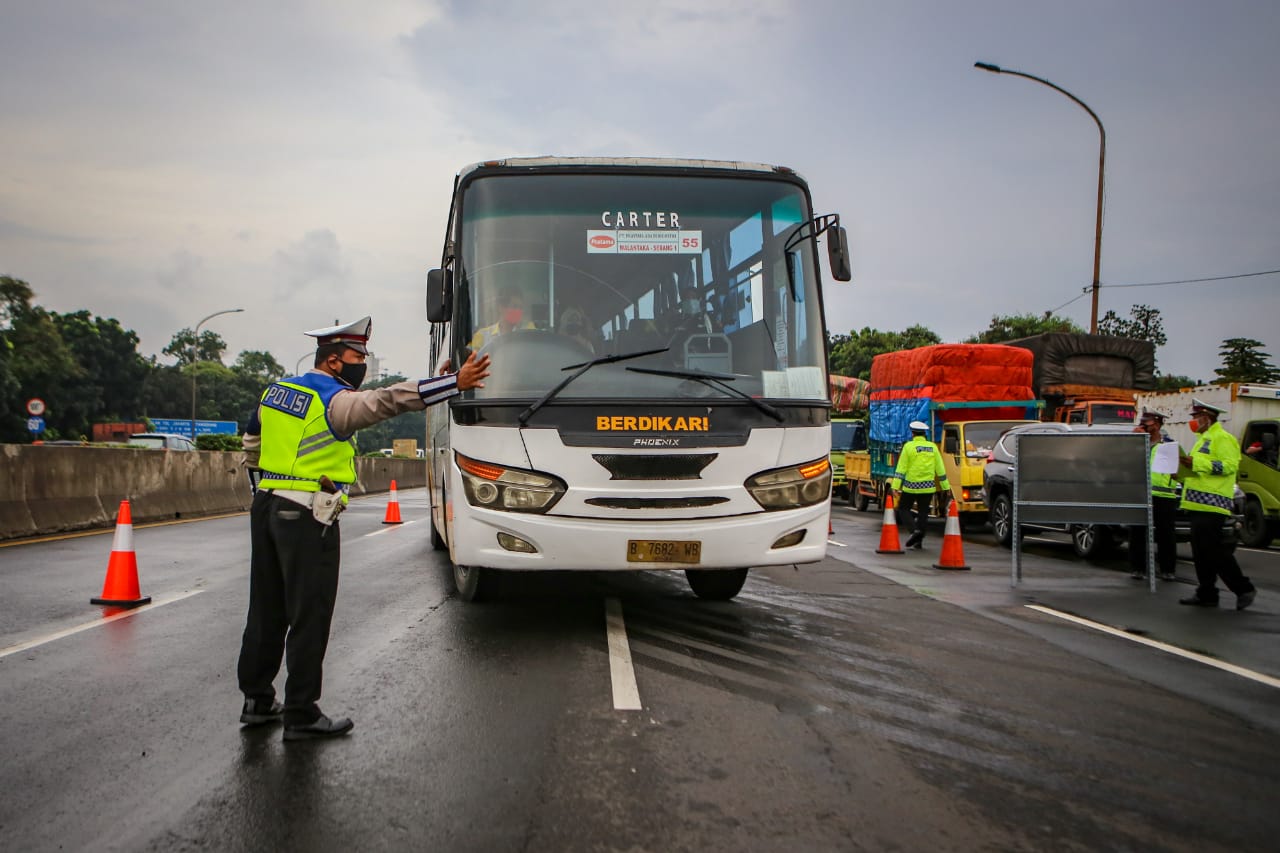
<point x="1090" y="541"/>
<point x="161" y="441"/>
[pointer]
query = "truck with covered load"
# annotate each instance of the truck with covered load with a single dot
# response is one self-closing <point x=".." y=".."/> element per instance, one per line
<point x="849" y="394"/>
<point x="968" y="394"/>
<point x="1252" y="416"/>
<point x="1089" y="379"/>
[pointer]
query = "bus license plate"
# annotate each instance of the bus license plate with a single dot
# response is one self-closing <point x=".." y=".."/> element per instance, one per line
<point x="663" y="551"/>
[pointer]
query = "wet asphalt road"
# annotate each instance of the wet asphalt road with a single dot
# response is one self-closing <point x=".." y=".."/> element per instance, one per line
<point x="865" y="703"/>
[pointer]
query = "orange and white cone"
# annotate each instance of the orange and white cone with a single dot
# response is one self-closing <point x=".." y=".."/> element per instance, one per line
<point x="952" y="545"/>
<point x="120" y="589"/>
<point x="393" y="508"/>
<point x="889" y="531"/>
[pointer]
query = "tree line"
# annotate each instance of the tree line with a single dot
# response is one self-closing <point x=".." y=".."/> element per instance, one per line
<point x="87" y="370"/>
<point x="1242" y="358"/>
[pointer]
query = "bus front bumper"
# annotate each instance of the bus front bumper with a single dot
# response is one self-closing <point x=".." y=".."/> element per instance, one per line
<point x="582" y="544"/>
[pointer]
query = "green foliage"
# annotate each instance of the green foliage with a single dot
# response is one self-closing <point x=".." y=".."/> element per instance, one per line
<point x="218" y="441"/>
<point x="1242" y="361"/>
<point x="1144" y="324"/>
<point x="409" y="425"/>
<point x="1173" y="383"/>
<point x="184" y="346"/>
<point x="1013" y="326"/>
<point x="851" y="354"/>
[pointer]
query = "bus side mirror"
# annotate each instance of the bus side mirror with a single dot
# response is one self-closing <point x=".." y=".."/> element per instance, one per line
<point x="439" y="296"/>
<point x="838" y="253"/>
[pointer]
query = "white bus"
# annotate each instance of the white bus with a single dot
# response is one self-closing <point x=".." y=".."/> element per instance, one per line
<point x="658" y="397"/>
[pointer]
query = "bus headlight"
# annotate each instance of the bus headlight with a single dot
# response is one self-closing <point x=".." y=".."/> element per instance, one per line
<point x="509" y="489"/>
<point x="792" y="487"/>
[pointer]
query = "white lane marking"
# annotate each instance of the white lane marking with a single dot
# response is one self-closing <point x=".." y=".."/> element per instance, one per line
<point x="1164" y="647"/>
<point x="837" y="544"/>
<point x="389" y="529"/>
<point x="67" y="632"/>
<point x="626" y="695"/>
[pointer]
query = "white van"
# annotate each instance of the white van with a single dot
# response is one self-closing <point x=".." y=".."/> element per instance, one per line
<point x="161" y="441"/>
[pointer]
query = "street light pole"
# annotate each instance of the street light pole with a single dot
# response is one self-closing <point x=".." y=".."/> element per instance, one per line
<point x="1102" y="162"/>
<point x="195" y="341"/>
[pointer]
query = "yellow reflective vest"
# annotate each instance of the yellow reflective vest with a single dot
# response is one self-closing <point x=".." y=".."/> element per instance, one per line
<point x="919" y="464"/>
<point x="1215" y="458"/>
<point x="298" y="444"/>
<point x="1162" y="485"/>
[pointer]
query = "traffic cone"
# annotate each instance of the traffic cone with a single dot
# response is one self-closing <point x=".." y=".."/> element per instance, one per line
<point x="889" y="531"/>
<point x="120" y="589"/>
<point x="952" y="545"/>
<point x="393" y="508"/>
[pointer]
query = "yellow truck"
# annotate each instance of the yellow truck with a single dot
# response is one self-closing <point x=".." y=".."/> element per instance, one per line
<point x="965" y="445"/>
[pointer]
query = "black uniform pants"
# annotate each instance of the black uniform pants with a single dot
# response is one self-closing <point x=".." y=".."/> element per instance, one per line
<point x="293" y="584"/>
<point x="921" y="501"/>
<point x="1212" y="557"/>
<point x="1163" y="511"/>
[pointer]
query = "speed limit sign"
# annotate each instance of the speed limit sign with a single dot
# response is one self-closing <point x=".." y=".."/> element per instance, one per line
<point x="35" y="407"/>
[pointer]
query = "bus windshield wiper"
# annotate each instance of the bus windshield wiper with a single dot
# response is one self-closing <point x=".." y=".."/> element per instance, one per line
<point x="717" y="381"/>
<point x="581" y="369"/>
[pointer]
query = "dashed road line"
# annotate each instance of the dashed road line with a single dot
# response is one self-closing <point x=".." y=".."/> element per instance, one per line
<point x="67" y="632"/>
<point x="626" y="694"/>
<point x="1164" y="647"/>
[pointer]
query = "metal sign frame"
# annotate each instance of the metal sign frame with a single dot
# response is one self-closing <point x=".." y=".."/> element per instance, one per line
<point x="1082" y="478"/>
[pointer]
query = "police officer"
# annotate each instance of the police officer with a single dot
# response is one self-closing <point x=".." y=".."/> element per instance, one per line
<point x="1206" y="495"/>
<point x="301" y="438"/>
<point x="1164" y="506"/>
<point x="919" y="465"/>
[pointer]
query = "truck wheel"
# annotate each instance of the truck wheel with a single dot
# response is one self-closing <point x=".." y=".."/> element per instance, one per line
<point x="1255" y="532"/>
<point x="859" y="499"/>
<point x="475" y="583"/>
<point x="1090" y="541"/>
<point x="1001" y="518"/>
<point x="716" y="584"/>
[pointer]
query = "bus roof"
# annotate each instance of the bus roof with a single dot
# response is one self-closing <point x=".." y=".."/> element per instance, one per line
<point x="627" y="162"/>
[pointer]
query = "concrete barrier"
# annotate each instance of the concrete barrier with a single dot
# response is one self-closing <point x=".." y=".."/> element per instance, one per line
<point x="53" y="489"/>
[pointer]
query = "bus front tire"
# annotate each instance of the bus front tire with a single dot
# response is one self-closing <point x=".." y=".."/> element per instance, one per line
<point x="474" y="583"/>
<point x="716" y="584"/>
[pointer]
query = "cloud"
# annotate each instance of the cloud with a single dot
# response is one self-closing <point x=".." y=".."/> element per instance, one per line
<point x="180" y="270"/>
<point x="311" y="263"/>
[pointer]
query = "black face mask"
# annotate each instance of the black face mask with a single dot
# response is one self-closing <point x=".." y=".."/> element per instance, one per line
<point x="353" y="374"/>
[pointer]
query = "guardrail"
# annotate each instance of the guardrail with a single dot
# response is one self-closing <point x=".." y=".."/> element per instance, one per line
<point x="59" y="489"/>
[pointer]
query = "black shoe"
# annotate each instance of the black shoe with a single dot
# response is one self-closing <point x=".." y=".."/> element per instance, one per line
<point x="918" y="545"/>
<point x="321" y="728"/>
<point x="259" y="711"/>
<point x="1244" y="599"/>
<point x="1167" y="576"/>
<point x="1138" y="576"/>
<point x="1197" y="601"/>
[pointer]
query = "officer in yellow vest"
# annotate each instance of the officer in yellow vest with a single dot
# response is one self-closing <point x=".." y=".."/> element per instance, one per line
<point x="301" y="438"/>
<point x="1206" y="495"/>
<point x="1164" y="506"/>
<point x="919" y="466"/>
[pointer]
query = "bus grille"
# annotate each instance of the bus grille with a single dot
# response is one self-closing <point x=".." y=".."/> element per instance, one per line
<point x="666" y="467"/>
<point x="656" y="503"/>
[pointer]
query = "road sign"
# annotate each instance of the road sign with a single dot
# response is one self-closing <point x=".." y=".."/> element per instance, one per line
<point x="35" y="406"/>
<point x="35" y="424"/>
<point x="182" y="426"/>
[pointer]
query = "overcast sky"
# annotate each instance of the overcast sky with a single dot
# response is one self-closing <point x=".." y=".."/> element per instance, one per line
<point x="160" y="161"/>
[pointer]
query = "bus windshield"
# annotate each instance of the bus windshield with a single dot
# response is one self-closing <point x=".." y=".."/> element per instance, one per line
<point x="554" y="270"/>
